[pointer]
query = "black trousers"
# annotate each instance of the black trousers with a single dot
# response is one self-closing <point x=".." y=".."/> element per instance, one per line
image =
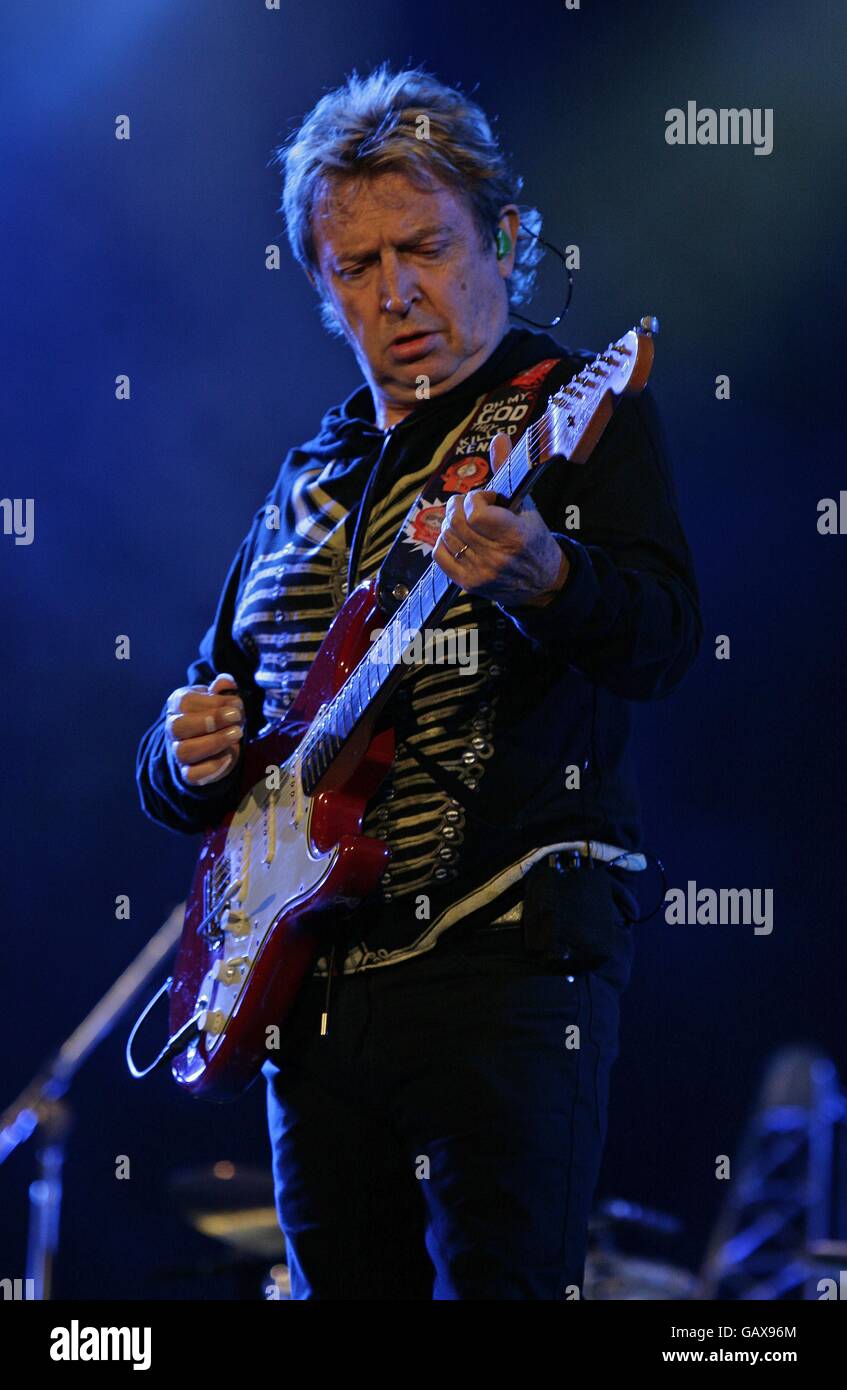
<point x="443" y="1141"/>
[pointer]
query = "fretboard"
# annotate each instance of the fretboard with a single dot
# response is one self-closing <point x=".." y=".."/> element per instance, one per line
<point x="560" y="432"/>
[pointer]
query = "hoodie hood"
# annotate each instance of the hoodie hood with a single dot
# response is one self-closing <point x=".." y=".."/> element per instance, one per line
<point x="348" y="431"/>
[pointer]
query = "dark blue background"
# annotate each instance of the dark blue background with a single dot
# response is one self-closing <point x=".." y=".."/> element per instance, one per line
<point x="147" y="257"/>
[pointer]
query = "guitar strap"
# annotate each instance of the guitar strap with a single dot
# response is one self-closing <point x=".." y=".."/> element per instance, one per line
<point x="463" y="465"/>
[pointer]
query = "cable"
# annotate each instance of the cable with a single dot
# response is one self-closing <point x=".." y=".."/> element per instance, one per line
<point x="660" y="866"/>
<point x="176" y="1044"/>
<point x="552" y="324"/>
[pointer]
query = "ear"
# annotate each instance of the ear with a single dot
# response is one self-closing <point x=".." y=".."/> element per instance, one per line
<point x="509" y="221"/>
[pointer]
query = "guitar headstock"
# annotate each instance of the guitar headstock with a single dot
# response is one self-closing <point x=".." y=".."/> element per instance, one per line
<point x="580" y="411"/>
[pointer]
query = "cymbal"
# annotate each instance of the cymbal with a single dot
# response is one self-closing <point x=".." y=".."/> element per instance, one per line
<point x="613" y="1276"/>
<point x="827" y="1250"/>
<point x="233" y="1204"/>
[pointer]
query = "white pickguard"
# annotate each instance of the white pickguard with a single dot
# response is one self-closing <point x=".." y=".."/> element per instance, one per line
<point x="266" y="864"/>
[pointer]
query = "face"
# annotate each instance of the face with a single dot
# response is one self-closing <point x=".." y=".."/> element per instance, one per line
<point x="411" y="285"/>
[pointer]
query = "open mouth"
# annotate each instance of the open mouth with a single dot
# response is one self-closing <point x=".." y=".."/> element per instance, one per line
<point x="413" y="344"/>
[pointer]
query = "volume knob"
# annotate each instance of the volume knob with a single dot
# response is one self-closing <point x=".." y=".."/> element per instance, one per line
<point x="212" y="1021"/>
<point x="237" y="922"/>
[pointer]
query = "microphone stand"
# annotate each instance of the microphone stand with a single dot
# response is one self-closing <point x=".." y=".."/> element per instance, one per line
<point x="42" y="1111"/>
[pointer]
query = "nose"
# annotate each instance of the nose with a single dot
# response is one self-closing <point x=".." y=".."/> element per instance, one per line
<point x="398" y="289"/>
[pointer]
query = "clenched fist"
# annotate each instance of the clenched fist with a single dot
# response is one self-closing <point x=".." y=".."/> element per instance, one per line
<point x="204" y="727"/>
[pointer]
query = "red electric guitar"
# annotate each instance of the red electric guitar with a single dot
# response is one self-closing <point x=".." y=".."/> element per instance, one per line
<point x="293" y="850"/>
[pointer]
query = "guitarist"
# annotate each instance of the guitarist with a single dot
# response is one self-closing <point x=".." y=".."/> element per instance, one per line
<point x="441" y="1137"/>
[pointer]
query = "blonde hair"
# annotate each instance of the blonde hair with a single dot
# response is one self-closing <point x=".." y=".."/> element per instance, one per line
<point x="373" y="124"/>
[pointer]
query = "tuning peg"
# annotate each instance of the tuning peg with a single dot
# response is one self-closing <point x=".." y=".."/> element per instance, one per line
<point x="649" y="324"/>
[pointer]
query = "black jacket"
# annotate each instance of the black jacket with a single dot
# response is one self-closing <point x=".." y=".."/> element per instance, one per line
<point x="625" y="628"/>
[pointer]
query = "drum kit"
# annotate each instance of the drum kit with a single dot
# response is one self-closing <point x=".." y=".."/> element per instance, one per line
<point x="781" y="1233"/>
<point x="234" y="1205"/>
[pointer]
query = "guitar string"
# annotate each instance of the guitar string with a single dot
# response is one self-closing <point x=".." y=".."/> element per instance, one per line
<point x="530" y="438"/>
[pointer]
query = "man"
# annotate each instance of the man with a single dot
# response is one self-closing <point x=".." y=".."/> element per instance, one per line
<point x="442" y="1138"/>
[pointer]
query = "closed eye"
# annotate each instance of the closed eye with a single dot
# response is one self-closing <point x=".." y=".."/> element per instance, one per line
<point x="354" y="271"/>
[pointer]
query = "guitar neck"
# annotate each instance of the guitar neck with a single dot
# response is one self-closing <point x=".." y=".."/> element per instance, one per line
<point x="569" y="428"/>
